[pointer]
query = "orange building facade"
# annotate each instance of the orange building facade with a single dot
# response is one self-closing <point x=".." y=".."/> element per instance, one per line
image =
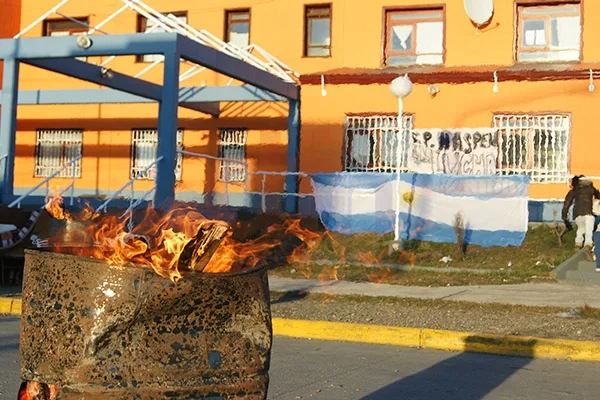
<point x="528" y="73"/>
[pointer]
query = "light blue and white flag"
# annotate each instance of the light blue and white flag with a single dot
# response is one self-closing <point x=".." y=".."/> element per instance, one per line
<point x="494" y="208"/>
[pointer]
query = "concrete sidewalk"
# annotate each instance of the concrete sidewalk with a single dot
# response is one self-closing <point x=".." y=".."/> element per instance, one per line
<point x="530" y="294"/>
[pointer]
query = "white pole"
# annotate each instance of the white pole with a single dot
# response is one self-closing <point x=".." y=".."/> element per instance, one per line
<point x="398" y="163"/>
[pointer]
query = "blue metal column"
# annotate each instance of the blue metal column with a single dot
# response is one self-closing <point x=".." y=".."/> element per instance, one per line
<point x="293" y="161"/>
<point x="167" y="133"/>
<point x="8" y="126"/>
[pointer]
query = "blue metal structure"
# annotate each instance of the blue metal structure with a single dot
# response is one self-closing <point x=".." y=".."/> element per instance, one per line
<point x="58" y="54"/>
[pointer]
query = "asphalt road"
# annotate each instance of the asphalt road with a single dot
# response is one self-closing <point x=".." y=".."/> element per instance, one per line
<point x="304" y="369"/>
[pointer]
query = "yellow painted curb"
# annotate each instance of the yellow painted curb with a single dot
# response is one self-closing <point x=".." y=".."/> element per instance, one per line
<point x="10" y="305"/>
<point x="440" y="340"/>
<point x="323" y="330"/>
<point x="415" y="337"/>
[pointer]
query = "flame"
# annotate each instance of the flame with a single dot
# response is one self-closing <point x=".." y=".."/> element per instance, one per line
<point x="328" y="274"/>
<point x="157" y="241"/>
<point x="54" y="207"/>
<point x="270" y="247"/>
<point x="381" y="274"/>
<point x="32" y="390"/>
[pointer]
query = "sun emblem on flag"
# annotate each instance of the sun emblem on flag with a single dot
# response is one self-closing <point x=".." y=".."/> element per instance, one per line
<point x="408" y="197"/>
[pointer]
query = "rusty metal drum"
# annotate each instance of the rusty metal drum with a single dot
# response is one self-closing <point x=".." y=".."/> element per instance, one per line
<point x="98" y="331"/>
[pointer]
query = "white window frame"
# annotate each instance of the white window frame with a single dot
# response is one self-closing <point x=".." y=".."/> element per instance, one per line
<point x="54" y="148"/>
<point x="537" y="45"/>
<point x="537" y="145"/>
<point x="377" y="158"/>
<point x="232" y="145"/>
<point x="144" y="144"/>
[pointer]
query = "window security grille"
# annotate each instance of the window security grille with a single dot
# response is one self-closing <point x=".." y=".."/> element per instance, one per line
<point x="56" y="147"/>
<point x="371" y="143"/>
<point x="535" y="145"/>
<point x="232" y="145"/>
<point x="143" y="152"/>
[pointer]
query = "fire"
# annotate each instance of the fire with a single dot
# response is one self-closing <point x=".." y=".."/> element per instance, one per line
<point x="32" y="390"/>
<point x="159" y="241"/>
<point x="163" y="242"/>
<point x="54" y="207"/>
<point x="270" y="247"/>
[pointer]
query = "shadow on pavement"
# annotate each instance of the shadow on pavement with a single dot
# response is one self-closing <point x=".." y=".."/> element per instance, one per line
<point x="466" y="376"/>
<point x="289" y="296"/>
<point x="9" y="343"/>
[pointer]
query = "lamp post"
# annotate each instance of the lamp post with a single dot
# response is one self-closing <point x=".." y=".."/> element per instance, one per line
<point x="400" y="87"/>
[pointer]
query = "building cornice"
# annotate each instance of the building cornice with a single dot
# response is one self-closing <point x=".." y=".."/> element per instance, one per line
<point x="454" y="75"/>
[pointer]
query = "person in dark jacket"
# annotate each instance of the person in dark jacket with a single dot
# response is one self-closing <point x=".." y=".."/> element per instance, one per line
<point x="581" y="196"/>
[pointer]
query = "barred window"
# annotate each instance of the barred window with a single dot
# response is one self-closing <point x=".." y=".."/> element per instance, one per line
<point x="371" y="143"/>
<point x="54" y="148"/>
<point x="143" y="152"/>
<point x="232" y="145"/>
<point x="535" y="145"/>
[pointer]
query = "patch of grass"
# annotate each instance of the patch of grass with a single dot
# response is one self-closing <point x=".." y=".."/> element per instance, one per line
<point x="538" y="255"/>
<point x="586" y="311"/>
<point x="352" y="257"/>
<point x="357" y="273"/>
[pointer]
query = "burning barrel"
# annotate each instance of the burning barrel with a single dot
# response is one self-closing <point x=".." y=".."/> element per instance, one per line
<point x="96" y="331"/>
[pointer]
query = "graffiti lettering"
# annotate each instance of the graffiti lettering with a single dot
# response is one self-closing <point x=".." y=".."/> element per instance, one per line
<point x="468" y="152"/>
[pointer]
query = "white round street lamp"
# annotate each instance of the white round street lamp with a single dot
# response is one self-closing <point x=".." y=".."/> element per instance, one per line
<point x="400" y="87"/>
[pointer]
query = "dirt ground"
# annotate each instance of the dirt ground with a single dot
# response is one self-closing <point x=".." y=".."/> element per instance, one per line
<point x="543" y="322"/>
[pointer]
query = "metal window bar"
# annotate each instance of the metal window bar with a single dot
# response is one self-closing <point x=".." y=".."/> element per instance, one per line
<point x="232" y="145"/>
<point x="143" y="152"/>
<point x="54" y="148"/>
<point x="71" y="165"/>
<point x="371" y="143"/>
<point x="534" y="145"/>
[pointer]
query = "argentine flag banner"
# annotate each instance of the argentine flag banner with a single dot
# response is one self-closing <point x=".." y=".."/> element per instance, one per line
<point x="493" y="208"/>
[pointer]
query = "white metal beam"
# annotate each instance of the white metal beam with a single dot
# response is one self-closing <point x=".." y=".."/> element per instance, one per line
<point x="169" y="23"/>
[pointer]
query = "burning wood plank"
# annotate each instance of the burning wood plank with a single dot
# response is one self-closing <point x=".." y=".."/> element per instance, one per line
<point x="197" y="254"/>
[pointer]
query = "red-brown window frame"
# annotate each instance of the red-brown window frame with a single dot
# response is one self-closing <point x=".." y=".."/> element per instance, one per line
<point x="46" y="31"/>
<point x="142" y="23"/>
<point x="229" y="22"/>
<point x="307" y="18"/>
<point x="385" y="32"/>
<point x="521" y="4"/>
